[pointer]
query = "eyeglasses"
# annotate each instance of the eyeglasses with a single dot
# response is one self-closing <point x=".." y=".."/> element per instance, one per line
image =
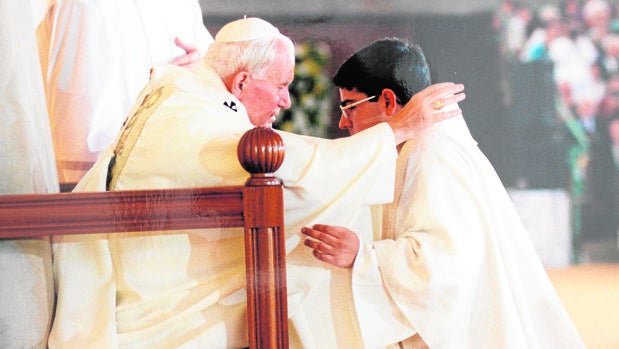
<point x="346" y="107"/>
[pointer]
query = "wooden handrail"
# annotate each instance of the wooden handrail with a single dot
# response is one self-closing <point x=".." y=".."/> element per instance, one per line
<point x="257" y="206"/>
<point x="34" y="215"/>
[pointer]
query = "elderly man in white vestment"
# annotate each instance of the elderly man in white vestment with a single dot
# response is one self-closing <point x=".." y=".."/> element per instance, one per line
<point x="451" y="260"/>
<point x="186" y="288"/>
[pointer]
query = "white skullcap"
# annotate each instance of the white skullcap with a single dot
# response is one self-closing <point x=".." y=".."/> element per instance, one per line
<point x="247" y="29"/>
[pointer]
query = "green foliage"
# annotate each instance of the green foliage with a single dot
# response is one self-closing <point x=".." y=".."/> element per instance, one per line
<point x="310" y="92"/>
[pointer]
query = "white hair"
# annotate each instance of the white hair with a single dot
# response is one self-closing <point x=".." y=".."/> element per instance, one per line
<point x="252" y="56"/>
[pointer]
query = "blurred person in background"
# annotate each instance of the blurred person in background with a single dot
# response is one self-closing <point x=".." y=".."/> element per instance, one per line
<point x="96" y="57"/>
<point x="600" y="205"/>
<point x="27" y="157"/>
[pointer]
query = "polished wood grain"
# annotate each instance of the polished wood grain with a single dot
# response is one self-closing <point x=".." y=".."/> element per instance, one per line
<point x="257" y="206"/>
<point x="120" y="211"/>
<point x="261" y="152"/>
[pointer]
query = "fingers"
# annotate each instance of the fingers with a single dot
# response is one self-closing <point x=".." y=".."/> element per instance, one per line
<point x="189" y="58"/>
<point x="459" y="97"/>
<point x="185" y="46"/>
<point x="327" y="258"/>
<point x="334" y="245"/>
<point x="444" y="99"/>
<point x="339" y="260"/>
<point x="448" y="101"/>
<point x="442" y="89"/>
<point x="322" y="242"/>
<point x="437" y="96"/>
<point x="447" y="114"/>
<point x="192" y="56"/>
<point x="447" y="92"/>
<point x="320" y="233"/>
<point x="322" y="248"/>
<point x="322" y="227"/>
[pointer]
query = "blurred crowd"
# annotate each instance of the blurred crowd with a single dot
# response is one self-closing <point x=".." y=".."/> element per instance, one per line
<point x="581" y="40"/>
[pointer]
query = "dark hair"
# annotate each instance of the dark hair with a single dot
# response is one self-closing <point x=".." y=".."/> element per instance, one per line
<point x="387" y="63"/>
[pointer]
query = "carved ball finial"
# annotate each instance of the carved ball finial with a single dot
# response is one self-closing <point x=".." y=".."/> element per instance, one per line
<point x="261" y="151"/>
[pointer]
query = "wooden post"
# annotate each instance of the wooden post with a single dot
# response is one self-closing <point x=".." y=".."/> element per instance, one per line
<point x="261" y="153"/>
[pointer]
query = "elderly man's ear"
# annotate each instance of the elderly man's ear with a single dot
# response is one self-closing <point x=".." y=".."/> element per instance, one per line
<point x="237" y="83"/>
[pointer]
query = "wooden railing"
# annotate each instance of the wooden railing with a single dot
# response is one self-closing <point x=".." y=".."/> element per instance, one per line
<point x="257" y="206"/>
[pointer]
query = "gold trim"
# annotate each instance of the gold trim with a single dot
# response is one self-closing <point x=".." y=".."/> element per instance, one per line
<point x="133" y="129"/>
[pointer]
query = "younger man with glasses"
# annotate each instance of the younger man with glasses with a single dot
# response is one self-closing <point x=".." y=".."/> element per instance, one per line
<point x="451" y="265"/>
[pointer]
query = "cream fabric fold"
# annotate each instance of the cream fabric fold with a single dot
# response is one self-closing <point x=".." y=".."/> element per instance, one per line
<point x="456" y="262"/>
<point x="27" y="166"/>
